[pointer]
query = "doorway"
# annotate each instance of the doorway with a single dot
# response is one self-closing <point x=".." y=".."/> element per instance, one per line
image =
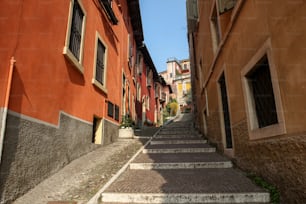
<point x="225" y="115"/>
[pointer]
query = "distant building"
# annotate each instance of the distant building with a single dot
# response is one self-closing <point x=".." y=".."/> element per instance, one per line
<point x="248" y="76"/>
<point x="178" y="75"/>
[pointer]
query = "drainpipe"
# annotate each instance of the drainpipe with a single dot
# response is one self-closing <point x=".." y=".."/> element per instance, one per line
<point x="6" y="102"/>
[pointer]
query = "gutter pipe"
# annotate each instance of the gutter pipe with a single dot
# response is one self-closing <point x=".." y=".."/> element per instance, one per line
<point x="6" y="102"/>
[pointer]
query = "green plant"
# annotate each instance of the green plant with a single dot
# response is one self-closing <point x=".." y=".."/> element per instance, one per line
<point x="126" y="121"/>
<point x="274" y="193"/>
<point x="166" y="114"/>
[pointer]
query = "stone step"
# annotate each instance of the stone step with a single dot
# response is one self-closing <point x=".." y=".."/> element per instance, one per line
<point x="181" y="165"/>
<point x="173" y="138"/>
<point x="156" y="142"/>
<point x="178" y="136"/>
<point x="121" y="198"/>
<point x="183" y="157"/>
<point x="184" y="186"/>
<point x="174" y="132"/>
<point x="179" y="150"/>
<point x="177" y="126"/>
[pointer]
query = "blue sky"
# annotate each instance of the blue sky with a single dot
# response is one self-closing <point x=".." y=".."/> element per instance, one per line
<point x="165" y="30"/>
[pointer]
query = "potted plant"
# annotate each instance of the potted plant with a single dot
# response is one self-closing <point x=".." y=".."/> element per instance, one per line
<point x="126" y="127"/>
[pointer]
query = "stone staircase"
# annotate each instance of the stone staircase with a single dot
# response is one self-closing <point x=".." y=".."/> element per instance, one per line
<point x="178" y="166"/>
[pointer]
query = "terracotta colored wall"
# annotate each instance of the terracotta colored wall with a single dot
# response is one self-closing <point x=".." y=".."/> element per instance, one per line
<point x="44" y="81"/>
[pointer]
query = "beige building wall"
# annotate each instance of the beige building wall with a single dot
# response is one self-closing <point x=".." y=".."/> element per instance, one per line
<point x="247" y="32"/>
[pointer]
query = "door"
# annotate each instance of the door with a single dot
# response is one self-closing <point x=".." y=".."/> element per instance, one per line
<point x="225" y="110"/>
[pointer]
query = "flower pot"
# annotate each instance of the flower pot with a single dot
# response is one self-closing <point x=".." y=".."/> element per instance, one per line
<point x="127" y="132"/>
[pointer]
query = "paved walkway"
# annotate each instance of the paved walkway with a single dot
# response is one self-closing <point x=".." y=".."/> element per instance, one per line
<point x="81" y="179"/>
<point x="178" y="166"/>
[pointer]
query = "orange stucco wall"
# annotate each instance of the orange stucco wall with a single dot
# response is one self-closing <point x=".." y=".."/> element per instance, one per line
<point x="44" y="81"/>
<point x="257" y="22"/>
<point x="256" y="28"/>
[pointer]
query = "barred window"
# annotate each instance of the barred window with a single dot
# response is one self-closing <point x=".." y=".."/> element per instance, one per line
<point x="110" y="109"/>
<point x="116" y="113"/>
<point x="262" y="91"/>
<point x="76" y="30"/>
<point x="74" y="43"/>
<point x="100" y="65"/>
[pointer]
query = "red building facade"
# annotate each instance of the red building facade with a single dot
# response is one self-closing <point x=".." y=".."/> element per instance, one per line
<point x="68" y="75"/>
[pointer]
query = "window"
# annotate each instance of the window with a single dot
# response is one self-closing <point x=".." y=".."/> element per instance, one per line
<point x="100" y="63"/>
<point x="123" y="94"/>
<point x="215" y="29"/>
<point x="226" y="5"/>
<point x="139" y="63"/>
<point x="138" y="96"/>
<point x="99" y="75"/>
<point x="110" y="109"/>
<point x="149" y="77"/>
<point x="262" y="95"/>
<point x="107" y="6"/>
<point x="148" y="102"/>
<point x="200" y="72"/>
<point x="130" y="51"/>
<point x="116" y="112"/>
<point x="262" y="92"/>
<point x="73" y="49"/>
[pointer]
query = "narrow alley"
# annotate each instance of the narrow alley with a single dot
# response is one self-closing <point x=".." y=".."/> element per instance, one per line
<point x="152" y="101"/>
<point x="173" y="165"/>
<point x="178" y="166"/>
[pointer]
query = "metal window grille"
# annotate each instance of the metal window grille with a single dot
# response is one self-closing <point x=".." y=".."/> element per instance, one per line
<point x="116" y="113"/>
<point x="215" y="23"/>
<point x="100" y="63"/>
<point x="261" y="86"/>
<point x="226" y="5"/>
<point x="110" y="109"/>
<point x="76" y="30"/>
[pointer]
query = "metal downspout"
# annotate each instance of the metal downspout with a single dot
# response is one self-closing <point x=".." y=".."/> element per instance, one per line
<point x="6" y="102"/>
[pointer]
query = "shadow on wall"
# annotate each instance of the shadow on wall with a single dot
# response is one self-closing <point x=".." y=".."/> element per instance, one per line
<point x="33" y="150"/>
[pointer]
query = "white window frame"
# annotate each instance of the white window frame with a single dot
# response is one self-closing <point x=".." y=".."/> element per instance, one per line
<point x="94" y="81"/>
<point x="215" y="35"/>
<point x="78" y="64"/>
<point x="272" y="130"/>
<point x="138" y="87"/>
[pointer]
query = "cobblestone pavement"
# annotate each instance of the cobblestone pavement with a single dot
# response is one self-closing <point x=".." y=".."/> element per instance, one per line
<point x="83" y="177"/>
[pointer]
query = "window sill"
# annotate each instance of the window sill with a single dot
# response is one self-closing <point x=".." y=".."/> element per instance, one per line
<point x="68" y="54"/>
<point x="99" y="85"/>
<point x="269" y="131"/>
